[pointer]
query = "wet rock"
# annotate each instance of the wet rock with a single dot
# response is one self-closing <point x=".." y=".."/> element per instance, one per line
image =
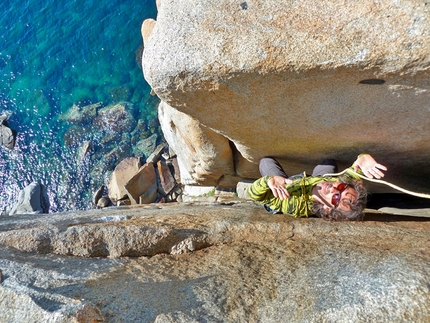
<point x="114" y="156"/>
<point x="104" y="201"/>
<point x="122" y="93"/>
<point x="75" y="134"/>
<point x="78" y="114"/>
<point x="33" y="199"/>
<point x="83" y="150"/>
<point x="145" y="147"/>
<point x="7" y="135"/>
<point x="98" y="194"/>
<point x="115" y="117"/>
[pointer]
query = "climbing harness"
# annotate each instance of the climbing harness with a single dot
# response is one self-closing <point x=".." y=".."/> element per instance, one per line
<point x="423" y="195"/>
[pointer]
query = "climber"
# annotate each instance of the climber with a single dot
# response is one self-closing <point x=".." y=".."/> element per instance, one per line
<point x="334" y="197"/>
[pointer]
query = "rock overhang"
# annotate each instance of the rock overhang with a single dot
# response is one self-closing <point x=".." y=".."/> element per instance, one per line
<point x="301" y="81"/>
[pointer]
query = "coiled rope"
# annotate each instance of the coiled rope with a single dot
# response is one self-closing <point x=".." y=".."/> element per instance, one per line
<point x="379" y="181"/>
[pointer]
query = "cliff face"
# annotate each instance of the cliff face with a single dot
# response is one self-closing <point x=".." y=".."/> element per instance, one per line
<point x="301" y="81"/>
<point x="216" y="262"/>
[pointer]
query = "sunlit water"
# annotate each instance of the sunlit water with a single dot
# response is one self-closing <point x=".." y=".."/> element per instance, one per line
<point x="54" y="54"/>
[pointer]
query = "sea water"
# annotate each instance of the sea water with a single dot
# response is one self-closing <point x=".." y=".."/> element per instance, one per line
<point x="57" y="53"/>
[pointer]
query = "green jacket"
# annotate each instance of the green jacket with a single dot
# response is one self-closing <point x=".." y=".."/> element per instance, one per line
<point x="300" y="202"/>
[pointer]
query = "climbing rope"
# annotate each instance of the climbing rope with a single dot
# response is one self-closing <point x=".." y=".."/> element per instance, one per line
<point x="379" y="181"/>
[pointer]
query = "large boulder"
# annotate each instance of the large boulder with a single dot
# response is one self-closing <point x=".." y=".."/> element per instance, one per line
<point x="142" y="187"/>
<point x="301" y="81"/>
<point x="122" y="173"/>
<point x="33" y="199"/>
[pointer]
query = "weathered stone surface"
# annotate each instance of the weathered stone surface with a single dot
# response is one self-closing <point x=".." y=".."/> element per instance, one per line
<point x="204" y="156"/>
<point x="242" y="188"/>
<point x="301" y="81"/>
<point x="122" y="173"/>
<point x="142" y="187"/>
<point x="33" y="199"/>
<point x="212" y="262"/>
<point x="146" y="28"/>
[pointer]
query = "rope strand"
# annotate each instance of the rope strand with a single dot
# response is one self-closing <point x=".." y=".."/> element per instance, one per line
<point x="379" y="181"/>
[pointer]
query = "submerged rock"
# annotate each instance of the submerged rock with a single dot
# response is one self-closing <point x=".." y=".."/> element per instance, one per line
<point x="78" y="114"/>
<point x="145" y="147"/>
<point x="115" y="117"/>
<point x="83" y="150"/>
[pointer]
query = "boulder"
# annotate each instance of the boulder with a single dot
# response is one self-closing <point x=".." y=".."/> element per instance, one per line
<point x="7" y="135"/>
<point x="142" y="187"/>
<point x="33" y="199"/>
<point x="98" y="194"/>
<point x="75" y="133"/>
<point x="242" y="188"/>
<point x="122" y="173"/>
<point x="174" y="166"/>
<point x="298" y="80"/>
<point x="157" y="153"/>
<point x="104" y="201"/>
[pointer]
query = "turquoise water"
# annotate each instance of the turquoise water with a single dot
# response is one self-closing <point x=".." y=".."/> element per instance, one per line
<point x="54" y="54"/>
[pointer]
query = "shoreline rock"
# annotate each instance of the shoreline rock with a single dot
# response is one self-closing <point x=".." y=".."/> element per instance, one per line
<point x="33" y="199"/>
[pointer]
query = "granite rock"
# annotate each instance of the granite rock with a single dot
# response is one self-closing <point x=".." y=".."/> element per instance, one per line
<point x="214" y="262"/>
<point x="301" y="81"/>
<point x="122" y="173"/>
<point x="142" y="187"/>
<point x="33" y="199"/>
